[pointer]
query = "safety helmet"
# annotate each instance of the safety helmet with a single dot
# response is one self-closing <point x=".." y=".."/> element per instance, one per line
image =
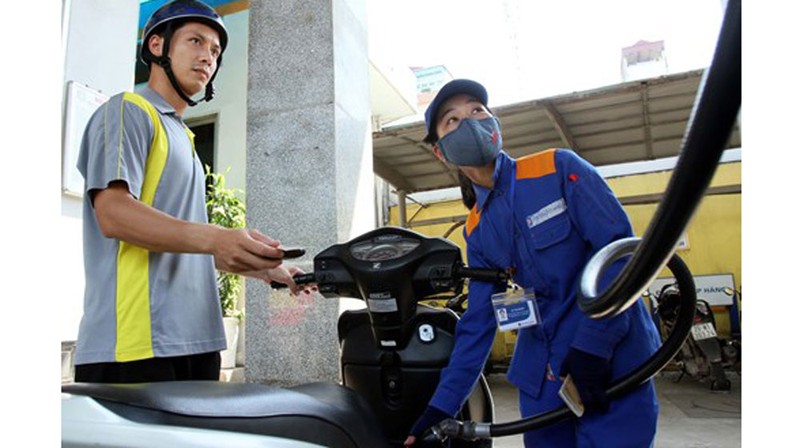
<point x="166" y="19"/>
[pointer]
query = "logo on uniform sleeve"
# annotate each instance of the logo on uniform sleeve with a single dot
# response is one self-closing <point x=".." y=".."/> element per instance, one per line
<point x="548" y="211"/>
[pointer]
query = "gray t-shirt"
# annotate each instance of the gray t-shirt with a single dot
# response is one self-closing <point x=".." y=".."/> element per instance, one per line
<point x="140" y="304"/>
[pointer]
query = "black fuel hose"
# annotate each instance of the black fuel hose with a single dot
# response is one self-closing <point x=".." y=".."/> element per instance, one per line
<point x="714" y="115"/>
<point x="472" y="431"/>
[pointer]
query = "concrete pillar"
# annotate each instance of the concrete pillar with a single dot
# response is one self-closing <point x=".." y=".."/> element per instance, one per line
<point x="309" y="170"/>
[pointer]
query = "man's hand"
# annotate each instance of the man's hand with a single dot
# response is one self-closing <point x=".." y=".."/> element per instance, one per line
<point x="245" y="251"/>
<point x="284" y="275"/>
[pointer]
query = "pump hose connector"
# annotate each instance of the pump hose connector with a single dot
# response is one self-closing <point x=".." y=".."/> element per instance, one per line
<point x="454" y="429"/>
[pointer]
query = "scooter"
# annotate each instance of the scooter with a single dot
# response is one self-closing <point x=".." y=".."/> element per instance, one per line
<point x="206" y="413"/>
<point x="701" y="356"/>
<point x="392" y="353"/>
<point x="732" y="346"/>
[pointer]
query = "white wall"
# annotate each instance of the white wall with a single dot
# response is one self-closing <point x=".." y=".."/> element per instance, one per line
<point x="99" y="43"/>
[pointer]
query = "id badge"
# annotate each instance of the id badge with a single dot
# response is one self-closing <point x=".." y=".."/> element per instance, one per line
<point x="515" y="309"/>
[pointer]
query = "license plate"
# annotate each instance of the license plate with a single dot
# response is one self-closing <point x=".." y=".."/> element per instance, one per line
<point x="703" y="331"/>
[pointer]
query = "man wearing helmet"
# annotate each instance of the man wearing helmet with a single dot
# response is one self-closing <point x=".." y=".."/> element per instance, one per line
<point x="151" y="306"/>
<point x="199" y="36"/>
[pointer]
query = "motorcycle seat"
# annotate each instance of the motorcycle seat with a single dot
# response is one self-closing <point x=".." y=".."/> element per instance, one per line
<point x="322" y="413"/>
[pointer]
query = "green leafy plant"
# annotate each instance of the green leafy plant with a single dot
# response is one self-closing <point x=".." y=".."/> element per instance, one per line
<point x="226" y="209"/>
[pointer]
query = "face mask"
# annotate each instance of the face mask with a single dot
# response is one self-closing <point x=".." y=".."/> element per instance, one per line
<point x="473" y="143"/>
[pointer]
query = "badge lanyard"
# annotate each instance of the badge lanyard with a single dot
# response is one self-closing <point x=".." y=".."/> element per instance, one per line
<point x="517" y="308"/>
<point x="515" y="226"/>
<point x="511" y="192"/>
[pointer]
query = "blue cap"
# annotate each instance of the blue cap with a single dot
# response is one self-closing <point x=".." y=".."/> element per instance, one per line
<point x="454" y="87"/>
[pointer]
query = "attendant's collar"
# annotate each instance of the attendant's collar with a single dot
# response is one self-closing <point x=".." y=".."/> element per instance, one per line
<point x="501" y="163"/>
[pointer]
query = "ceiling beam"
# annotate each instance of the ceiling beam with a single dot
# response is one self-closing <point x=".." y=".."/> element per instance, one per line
<point x="444" y="169"/>
<point x="388" y="174"/>
<point x="656" y="198"/>
<point x="560" y="125"/>
<point x="653" y="198"/>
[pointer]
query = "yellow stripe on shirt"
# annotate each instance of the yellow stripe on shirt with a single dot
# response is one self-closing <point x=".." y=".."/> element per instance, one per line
<point x="134" y="335"/>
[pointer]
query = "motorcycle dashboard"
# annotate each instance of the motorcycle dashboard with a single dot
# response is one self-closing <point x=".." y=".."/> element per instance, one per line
<point x="382" y="250"/>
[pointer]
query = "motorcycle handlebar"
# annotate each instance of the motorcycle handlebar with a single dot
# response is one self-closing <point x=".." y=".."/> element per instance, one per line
<point x="299" y="280"/>
<point x="484" y="275"/>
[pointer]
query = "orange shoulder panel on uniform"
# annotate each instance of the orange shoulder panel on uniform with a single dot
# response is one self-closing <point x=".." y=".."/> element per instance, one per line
<point x="537" y="165"/>
<point x="473" y="219"/>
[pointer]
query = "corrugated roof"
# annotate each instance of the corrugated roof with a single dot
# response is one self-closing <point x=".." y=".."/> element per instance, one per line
<point x="634" y="121"/>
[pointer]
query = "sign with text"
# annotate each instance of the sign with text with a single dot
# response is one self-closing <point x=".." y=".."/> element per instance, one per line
<point x="710" y="288"/>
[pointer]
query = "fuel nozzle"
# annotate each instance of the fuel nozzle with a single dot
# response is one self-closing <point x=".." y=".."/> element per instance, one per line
<point x="454" y="429"/>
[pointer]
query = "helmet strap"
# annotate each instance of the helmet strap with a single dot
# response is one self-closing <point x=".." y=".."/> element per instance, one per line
<point x="210" y="86"/>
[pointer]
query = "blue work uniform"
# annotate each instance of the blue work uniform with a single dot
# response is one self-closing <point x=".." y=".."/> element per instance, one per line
<point x="545" y="217"/>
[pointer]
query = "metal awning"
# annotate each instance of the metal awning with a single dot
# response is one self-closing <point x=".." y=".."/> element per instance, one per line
<point x="634" y="121"/>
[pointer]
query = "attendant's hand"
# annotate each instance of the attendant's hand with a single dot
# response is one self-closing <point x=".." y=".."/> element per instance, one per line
<point x="429" y="418"/>
<point x="591" y="375"/>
